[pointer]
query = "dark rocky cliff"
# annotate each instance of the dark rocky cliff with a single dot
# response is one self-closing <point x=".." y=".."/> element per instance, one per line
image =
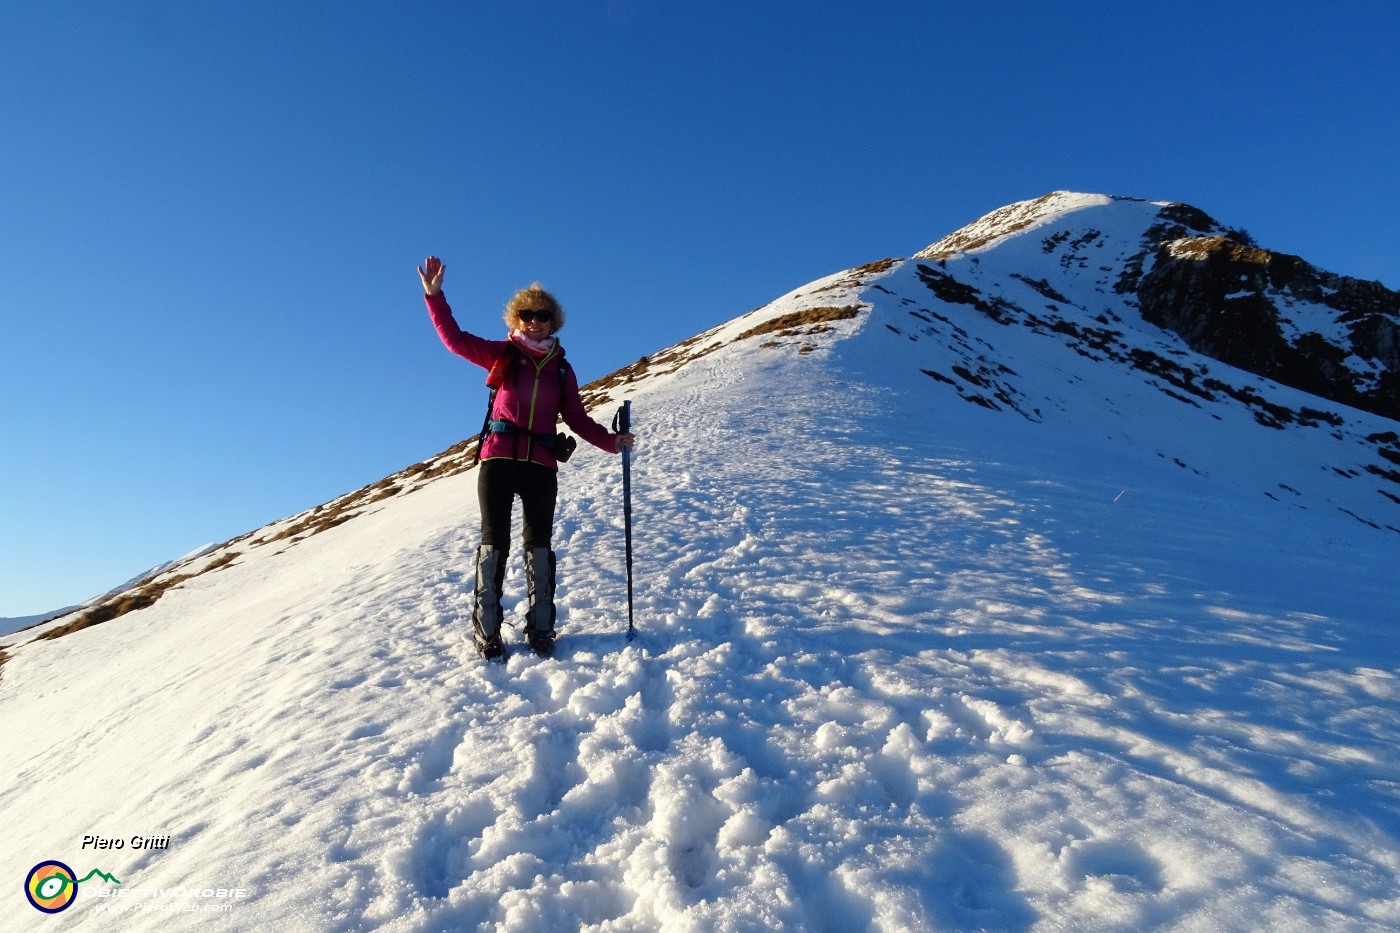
<point x="1229" y="300"/>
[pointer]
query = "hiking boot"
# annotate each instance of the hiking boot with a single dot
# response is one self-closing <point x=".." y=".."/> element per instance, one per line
<point x="539" y="617"/>
<point x="487" y="613"/>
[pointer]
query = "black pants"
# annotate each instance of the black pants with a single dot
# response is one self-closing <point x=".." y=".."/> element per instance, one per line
<point x="497" y="485"/>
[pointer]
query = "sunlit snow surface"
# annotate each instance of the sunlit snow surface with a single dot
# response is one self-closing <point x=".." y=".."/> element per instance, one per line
<point x="905" y="663"/>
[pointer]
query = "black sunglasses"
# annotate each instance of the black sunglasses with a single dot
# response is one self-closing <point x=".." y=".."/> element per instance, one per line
<point x="528" y="316"/>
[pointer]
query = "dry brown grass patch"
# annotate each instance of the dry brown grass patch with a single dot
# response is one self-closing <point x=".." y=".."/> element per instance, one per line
<point x="142" y="596"/>
<point x="810" y="321"/>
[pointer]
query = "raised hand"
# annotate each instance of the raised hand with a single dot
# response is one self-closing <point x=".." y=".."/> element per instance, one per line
<point x="431" y="273"/>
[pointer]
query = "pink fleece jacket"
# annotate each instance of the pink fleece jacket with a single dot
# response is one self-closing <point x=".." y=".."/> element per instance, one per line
<point x="530" y="398"/>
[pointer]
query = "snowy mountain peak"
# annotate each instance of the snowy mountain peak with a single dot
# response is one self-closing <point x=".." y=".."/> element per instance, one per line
<point x="1271" y="314"/>
<point x="1024" y="218"/>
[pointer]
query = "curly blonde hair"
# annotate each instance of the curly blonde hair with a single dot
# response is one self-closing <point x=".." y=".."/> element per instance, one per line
<point x="534" y="296"/>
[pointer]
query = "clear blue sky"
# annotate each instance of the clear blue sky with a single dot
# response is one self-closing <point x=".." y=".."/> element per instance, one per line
<point x="210" y="212"/>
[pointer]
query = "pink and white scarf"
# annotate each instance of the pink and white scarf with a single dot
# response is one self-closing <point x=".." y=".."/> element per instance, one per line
<point x="536" y="348"/>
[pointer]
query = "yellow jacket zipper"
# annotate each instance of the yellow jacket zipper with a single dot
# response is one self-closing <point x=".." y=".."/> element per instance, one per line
<point x="534" y="394"/>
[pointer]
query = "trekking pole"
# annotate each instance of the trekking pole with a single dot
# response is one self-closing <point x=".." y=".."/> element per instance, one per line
<point x="623" y="424"/>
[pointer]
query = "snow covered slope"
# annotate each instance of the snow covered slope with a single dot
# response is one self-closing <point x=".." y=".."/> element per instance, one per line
<point x="969" y="598"/>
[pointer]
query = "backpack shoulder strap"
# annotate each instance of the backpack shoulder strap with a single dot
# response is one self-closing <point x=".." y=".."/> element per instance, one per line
<point x="497" y="377"/>
<point x="563" y="370"/>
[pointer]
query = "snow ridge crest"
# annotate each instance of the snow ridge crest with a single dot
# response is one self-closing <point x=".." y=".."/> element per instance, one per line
<point x="1020" y="217"/>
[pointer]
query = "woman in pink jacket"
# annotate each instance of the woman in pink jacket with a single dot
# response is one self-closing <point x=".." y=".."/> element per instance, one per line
<point x="532" y="387"/>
